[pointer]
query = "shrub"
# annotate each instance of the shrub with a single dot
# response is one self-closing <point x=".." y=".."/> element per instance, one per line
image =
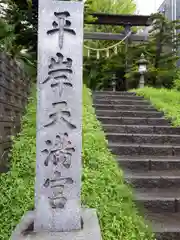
<point x="177" y="81"/>
<point x="17" y="186"/>
<point x="103" y="184"/>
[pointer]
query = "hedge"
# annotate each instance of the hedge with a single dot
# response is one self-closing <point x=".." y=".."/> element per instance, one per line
<point x="165" y="100"/>
<point x="103" y="185"/>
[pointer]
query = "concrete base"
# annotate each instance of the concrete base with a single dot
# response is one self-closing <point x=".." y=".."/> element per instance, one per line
<point x="90" y="231"/>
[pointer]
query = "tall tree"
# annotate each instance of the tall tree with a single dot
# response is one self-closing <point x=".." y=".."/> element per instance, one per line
<point x="112" y="7"/>
<point x="23" y="16"/>
<point x="18" y="36"/>
<point x="115" y="63"/>
<point x="161" y="51"/>
<point x="163" y="45"/>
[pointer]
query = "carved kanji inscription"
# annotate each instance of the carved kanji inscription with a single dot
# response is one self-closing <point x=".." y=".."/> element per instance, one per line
<point x="59" y="151"/>
<point x="61" y="25"/>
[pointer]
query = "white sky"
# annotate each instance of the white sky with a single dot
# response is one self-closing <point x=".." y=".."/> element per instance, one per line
<point x="148" y="6"/>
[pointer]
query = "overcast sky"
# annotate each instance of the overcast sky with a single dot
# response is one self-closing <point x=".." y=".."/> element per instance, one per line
<point x="148" y="6"/>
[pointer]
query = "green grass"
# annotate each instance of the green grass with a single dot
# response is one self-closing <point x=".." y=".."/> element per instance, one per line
<point x="164" y="100"/>
<point x="103" y="185"/>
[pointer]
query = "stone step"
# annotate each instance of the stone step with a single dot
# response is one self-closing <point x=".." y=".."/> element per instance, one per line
<point x="140" y="114"/>
<point x="136" y="134"/>
<point x="116" y="97"/>
<point x="158" y="199"/>
<point x="153" y="179"/>
<point x="144" y="149"/>
<point x="143" y="138"/>
<point x="122" y="102"/>
<point x="109" y="93"/>
<point x="133" y="121"/>
<point x="165" y="225"/>
<point x="144" y="129"/>
<point x="146" y="163"/>
<point x="124" y="107"/>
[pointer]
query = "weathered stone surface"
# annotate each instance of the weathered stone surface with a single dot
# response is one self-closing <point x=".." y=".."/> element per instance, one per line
<point x="158" y="199"/>
<point x="128" y="129"/>
<point x="147" y="163"/>
<point x="143" y="138"/>
<point x="133" y="120"/>
<point x="141" y="129"/>
<point x="148" y="151"/>
<point x="121" y="101"/>
<point x="157" y="205"/>
<point x="154" y="179"/>
<point x="109" y="93"/>
<point x="143" y="150"/>
<point x="59" y="116"/>
<point x="128" y="163"/>
<point x="166" y="225"/>
<point x="91" y="229"/>
<point x="122" y="107"/>
<point x="126" y="113"/>
<point x="117" y="97"/>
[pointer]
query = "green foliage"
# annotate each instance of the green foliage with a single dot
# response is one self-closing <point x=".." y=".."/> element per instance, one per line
<point x="111" y="7"/>
<point x="103" y="184"/>
<point x="177" y="84"/>
<point x="161" y="45"/>
<point x="165" y="100"/>
<point x="23" y="18"/>
<point x="158" y="51"/>
<point x="177" y="81"/>
<point x="23" y="15"/>
<point x="99" y="72"/>
<point x="18" y="36"/>
<point x="114" y="7"/>
<point x="162" y="60"/>
<point x="17" y="186"/>
<point x="6" y="37"/>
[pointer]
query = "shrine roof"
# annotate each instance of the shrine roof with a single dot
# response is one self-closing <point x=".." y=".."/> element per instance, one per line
<point x="117" y="19"/>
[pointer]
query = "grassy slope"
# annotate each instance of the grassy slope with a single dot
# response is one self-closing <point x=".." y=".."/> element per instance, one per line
<point x="165" y="100"/>
<point x="103" y="185"/>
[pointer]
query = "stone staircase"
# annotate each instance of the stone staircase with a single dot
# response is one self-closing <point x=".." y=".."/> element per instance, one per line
<point x="148" y="150"/>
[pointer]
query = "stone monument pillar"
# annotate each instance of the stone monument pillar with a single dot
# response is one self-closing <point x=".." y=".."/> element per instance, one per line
<point x="58" y="213"/>
<point x="59" y="116"/>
